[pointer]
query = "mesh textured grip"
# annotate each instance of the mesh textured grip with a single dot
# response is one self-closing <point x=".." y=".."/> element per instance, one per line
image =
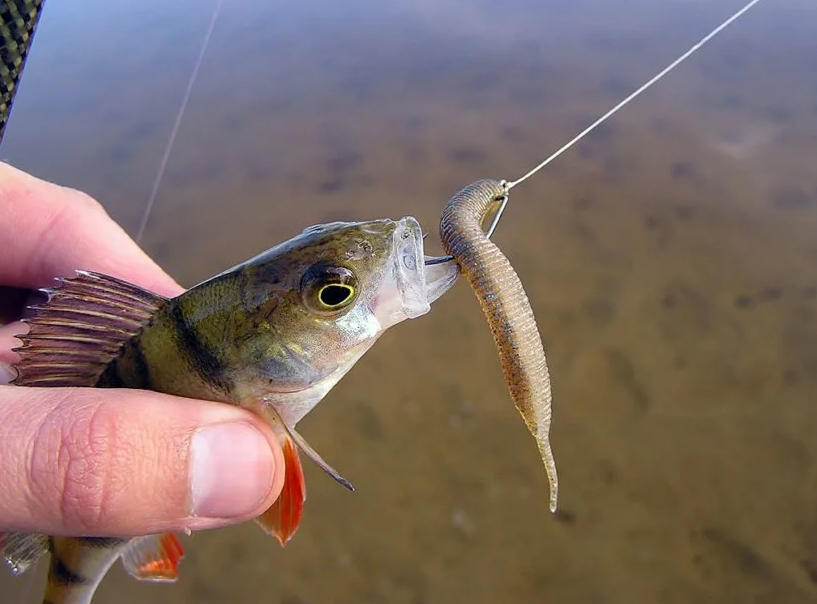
<point x="18" y="20"/>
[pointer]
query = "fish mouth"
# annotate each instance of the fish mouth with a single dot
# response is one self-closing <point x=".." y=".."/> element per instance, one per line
<point x="440" y="276"/>
<point x="421" y="283"/>
<point x="417" y="283"/>
<point x="441" y="273"/>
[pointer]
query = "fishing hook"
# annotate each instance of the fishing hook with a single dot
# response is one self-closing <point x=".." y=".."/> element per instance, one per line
<point x="503" y="201"/>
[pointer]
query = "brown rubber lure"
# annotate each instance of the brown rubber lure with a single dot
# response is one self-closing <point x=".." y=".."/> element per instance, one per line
<point x="506" y="307"/>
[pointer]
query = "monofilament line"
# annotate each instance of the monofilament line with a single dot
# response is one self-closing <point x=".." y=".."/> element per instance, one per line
<point x="175" y="130"/>
<point x="647" y="85"/>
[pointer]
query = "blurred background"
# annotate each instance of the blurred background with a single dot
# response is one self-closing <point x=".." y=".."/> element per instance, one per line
<point x="670" y="258"/>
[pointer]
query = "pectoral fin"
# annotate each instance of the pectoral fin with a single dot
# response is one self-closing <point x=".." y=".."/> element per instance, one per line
<point x="284" y="516"/>
<point x="299" y="440"/>
<point x="318" y="460"/>
<point x="153" y="558"/>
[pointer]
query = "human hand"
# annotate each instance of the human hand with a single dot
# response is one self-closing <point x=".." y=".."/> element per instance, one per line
<point x="111" y="462"/>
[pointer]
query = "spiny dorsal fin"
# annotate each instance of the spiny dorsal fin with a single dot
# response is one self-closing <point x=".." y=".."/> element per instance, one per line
<point x="75" y="334"/>
<point x="153" y="558"/>
<point x="21" y="550"/>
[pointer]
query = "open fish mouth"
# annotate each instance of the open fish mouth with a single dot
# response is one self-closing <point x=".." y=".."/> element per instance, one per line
<point x="411" y="285"/>
<point x="419" y="283"/>
<point x="440" y="277"/>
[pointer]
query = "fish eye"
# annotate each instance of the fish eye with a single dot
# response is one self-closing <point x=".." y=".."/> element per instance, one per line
<point x="328" y="289"/>
<point x="333" y="295"/>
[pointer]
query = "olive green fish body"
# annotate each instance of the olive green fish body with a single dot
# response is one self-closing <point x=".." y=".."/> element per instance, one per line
<point x="507" y="309"/>
<point x="261" y="330"/>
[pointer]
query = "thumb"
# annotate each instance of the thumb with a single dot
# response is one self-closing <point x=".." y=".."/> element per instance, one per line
<point x="110" y="462"/>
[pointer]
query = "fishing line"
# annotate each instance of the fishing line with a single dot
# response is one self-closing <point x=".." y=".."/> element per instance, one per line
<point x="175" y="130"/>
<point x="626" y="101"/>
<point x="509" y="185"/>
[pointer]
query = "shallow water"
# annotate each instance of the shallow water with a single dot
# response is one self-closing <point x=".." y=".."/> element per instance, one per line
<point x="670" y="260"/>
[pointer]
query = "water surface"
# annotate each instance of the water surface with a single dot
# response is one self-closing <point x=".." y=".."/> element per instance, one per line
<point x="670" y="259"/>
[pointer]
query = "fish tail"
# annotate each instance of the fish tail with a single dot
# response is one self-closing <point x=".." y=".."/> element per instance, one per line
<point x="77" y="567"/>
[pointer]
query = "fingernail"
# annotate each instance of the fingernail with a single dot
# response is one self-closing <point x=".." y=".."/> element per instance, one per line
<point x="231" y="470"/>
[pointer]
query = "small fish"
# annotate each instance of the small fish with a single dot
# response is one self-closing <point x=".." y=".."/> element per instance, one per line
<point x="273" y="334"/>
<point x="507" y="309"/>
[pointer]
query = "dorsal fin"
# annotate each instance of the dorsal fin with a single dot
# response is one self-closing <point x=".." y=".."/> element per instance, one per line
<point x="81" y="328"/>
<point x="153" y="558"/>
<point x="20" y="550"/>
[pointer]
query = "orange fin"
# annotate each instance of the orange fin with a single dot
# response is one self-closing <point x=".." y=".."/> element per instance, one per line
<point x="284" y="516"/>
<point x="80" y="329"/>
<point x="154" y="558"/>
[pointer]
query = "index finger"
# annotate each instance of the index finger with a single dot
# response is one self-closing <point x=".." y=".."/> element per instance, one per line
<point x="50" y="231"/>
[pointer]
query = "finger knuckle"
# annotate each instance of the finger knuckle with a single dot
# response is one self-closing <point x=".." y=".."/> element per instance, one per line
<point x="77" y="460"/>
<point x="84" y="203"/>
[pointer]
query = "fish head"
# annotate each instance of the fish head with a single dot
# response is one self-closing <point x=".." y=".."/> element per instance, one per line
<point x="315" y="304"/>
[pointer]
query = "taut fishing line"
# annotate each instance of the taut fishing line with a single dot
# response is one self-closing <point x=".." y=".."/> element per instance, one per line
<point x="633" y="95"/>
<point x="508" y="185"/>
<point x="175" y="130"/>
